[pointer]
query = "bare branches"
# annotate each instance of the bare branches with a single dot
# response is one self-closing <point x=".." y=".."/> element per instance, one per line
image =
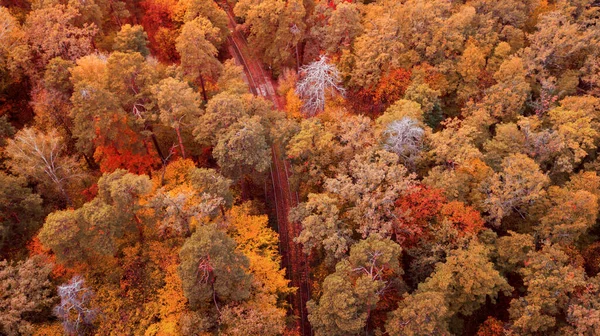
<point x="74" y="308"/>
<point x="405" y="138"/>
<point x="319" y="79"/>
<point x="41" y="157"/>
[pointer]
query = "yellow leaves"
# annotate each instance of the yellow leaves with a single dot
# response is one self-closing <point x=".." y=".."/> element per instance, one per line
<point x="293" y="105"/>
<point x="400" y="109"/>
<point x="176" y="172"/>
<point x="91" y="69"/>
<point x="51" y="329"/>
<point x="251" y="232"/>
<point x="171" y="304"/>
<point x="258" y="242"/>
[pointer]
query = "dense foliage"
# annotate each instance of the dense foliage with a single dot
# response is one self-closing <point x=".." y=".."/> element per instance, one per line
<point x="299" y="167"/>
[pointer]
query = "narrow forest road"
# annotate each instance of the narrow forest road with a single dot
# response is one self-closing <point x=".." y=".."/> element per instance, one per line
<point x="281" y="196"/>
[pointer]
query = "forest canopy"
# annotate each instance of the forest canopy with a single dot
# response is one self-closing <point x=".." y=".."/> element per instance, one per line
<point x="299" y="167"/>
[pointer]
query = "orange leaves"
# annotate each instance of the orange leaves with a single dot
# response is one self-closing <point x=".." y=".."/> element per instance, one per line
<point x="491" y="327"/>
<point x="464" y="217"/>
<point x="421" y="210"/>
<point x="392" y="86"/>
<point x="123" y="148"/>
<point x="111" y="159"/>
<point x="158" y="23"/>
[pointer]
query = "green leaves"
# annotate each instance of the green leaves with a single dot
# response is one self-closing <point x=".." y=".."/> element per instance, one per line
<point x="211" y="269"/>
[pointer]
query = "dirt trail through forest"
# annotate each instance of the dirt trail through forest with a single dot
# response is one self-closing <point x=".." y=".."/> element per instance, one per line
<point x="282" y="197"/>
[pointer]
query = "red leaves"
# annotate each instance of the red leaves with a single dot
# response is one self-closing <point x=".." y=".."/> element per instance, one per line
<point x="392" y="86"/>
<point x="158" y="24"/>
<point x="416" y="210"/>
<point x="126" y="150"/>
<point x="421" y="210"/>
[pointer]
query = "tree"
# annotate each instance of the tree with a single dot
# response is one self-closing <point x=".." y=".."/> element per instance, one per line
<point x="13" y="50"/>
<point x="506" y="99"/>
<point x="25" y="293"/>
<point x="342" y="27"/>
<point x="198" y="54"/>
<point x="222" y="111"/>
<point x="212" y="270"/>
<point x="392" y="86"/>
<point x="551" y="281"/>
<point x="188" y="10"/>
<point x="74" y="308"/>
<point x="405" y="138"/>
<point x="188" y="196"/>
<point x="276" y="28"/>
<point x="256" y="318"/>
<point x="21" y="211"/>
<point x="259" y="243"/>
<point x="243" y="148"/>
<point x="352" y="292"/>
<point x="313" y="153"/>
<point x="232" y="79"/>
<point x="556" y="43"/>
<point x="513" y="250"/>
<point x="518" y="185"/>
<point x="263" y="313"/>
<point x="321" y="226"/>
<point x="318" y="81"/>
<point x="132" y="39"/>
<point x="51" y="32"/>
<point x="179" y="109"/>
<point x="577" y="132"/>
<point x="470" y="66"/>
<point x="101" y="227"/>
<point x="373" y="182"/>
<point x="568" y="214"/>
<point x="42" y="158"/>
<point x="423" y="313"/>
<point x="467" y="279"/>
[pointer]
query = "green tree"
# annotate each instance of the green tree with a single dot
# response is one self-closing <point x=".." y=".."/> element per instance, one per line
<point x="423" y="314"/>
<point x="176" y="110"/>
<point x="352" y="292"/>
<point x="132" y="39"/>
<point x="222" y="111"/>
<point x="467" y="279"/>
<point x="321" y="226"/>
<point x="212" y="270"/>
<point x="102" y="226"/>
<point x="198" y="54"/>
<point x="21" y="211"/>
<point x="243" y="148"/>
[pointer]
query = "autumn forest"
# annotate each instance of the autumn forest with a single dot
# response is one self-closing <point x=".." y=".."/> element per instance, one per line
<point x="300" y="167"/>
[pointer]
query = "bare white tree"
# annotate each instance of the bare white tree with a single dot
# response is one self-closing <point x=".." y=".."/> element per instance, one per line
<point x="405" y="138"/>
<point x="74" y="310"/>
<point x="318" y="80"/>
<point x="41" y="157"/>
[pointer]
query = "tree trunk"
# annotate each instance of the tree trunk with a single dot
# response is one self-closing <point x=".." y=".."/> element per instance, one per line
<point x="203" y="89"/>
<point x="180" y="142"/>
<point x="157" y="147"/>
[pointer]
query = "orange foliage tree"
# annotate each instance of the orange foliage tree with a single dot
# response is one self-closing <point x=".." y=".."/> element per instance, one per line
<point x="126" y="150"/>
<point x="392" y="86"/>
